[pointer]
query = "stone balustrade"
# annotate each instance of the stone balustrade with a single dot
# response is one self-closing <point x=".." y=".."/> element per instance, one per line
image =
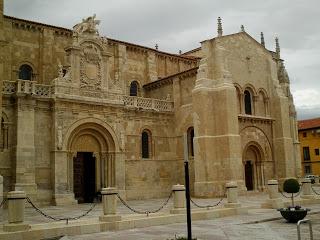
<point x="26" y="87"/>
<point x="148" y="103"/>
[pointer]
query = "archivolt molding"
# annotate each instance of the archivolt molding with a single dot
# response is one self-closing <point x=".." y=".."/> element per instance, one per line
<point x="256" y="137"/>
<point x="98" y="129"/>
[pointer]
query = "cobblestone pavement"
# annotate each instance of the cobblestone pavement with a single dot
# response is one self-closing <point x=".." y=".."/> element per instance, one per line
<point x="259" y="223"/>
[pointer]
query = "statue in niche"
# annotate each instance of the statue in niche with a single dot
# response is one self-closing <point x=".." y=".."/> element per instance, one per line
<point x="87" y="25"/>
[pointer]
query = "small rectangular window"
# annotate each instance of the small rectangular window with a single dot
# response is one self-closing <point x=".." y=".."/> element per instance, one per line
<point x="316" y="151"/>
<point x="306" y="153"/>
<point x="304" y="134"/>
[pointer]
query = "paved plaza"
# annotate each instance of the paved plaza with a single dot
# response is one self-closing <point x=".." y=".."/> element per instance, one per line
<point x="259" y="223"/>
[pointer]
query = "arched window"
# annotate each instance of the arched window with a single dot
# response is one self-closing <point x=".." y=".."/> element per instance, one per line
<point x="247" y="102"/>
<point x="25" y="72"/>
<point x="190" y="134"/>
<point x="134" y="88"/>
<point x="145" y="144"/>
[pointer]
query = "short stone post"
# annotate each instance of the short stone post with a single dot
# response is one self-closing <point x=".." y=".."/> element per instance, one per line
<point x="179" y="199"/>
<point x="306" y="189"/>
<point x="109" y="204"/>
<point x="232" y="195"/>
<point x="274" y="200"/>
<point x="316" y="179"/>
<point x="1" y="197"/>
<point x="16" y="204"/>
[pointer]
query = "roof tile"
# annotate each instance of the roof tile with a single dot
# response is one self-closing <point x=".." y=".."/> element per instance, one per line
<point x="309" y="124"/>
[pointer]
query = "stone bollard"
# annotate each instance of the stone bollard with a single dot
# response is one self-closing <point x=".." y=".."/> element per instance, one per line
<point x="109" y="203"/>
<point x="1" y="197"/>
<point x="179" y="199"/>
<point x="316" y="179"/>
<point x="232" y="195"/>
<point x="306" y="189"/>
<point x="274" y="200"/>
<point x="16" y="204"/>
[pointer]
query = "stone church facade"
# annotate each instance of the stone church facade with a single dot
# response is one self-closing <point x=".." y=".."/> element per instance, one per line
<point x="80" y="112"/>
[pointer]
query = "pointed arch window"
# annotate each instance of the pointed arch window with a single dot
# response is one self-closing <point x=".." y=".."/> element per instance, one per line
<point x="134" y="88"/>
<point x="190" y="135"/>
<point x="145" y="144"/>
<point x="247" y="102"/>
<point x="25" y="72"/>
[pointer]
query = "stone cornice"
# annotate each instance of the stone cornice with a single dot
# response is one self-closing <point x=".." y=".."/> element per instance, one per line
<point x="255" y="119"/>
<point x="169" y="80"/>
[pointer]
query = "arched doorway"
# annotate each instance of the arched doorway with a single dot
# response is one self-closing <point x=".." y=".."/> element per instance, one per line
<point x="253" y="169"/>
<point x="248" y="173"/>
<point x="91" y="161"/>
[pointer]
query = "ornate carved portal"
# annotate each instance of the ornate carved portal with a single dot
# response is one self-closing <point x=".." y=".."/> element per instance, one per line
<point x="91" y="161"/>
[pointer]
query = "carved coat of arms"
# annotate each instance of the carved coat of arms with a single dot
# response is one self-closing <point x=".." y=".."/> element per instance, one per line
<point x="90" y="67"/>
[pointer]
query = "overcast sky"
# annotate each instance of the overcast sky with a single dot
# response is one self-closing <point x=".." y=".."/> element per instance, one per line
<point x="181" y="24"/>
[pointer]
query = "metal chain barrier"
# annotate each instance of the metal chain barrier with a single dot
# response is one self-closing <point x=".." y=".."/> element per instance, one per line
<point x="209" y="206"/>
<point x="62" y="218"/>
<point x="3" y="202"/>
<point x="314" y="190"/>
<point x="281" y="192"/>
<point x="147" y="212"/>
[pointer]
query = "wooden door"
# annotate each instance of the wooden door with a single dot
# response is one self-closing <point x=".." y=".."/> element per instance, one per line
<point x="78" y="177"/>
<point x="249" y="175"/>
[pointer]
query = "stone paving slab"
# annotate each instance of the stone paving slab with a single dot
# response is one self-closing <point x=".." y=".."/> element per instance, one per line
<point x="254" y="225"/>
<point x="228" y="228"/>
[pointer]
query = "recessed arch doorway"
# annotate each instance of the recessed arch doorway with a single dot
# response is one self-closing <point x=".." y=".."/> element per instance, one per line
<point x="253" y="167"/>
<point x="91" y="161"/>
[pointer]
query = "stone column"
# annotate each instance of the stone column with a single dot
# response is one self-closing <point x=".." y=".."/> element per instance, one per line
<point x="232" y="195"/>
<point x="109" y="203"/>
<point x="25" y="150"/>
<point x="16" y="204"/>
<point x="1" y="197"/>
<point x="306" y="189"/>
<point x="274" y="200"/>
<point x="62" y="177"/>
<point x="283" y="141"/>
<point x="3" y="44"/>
<point x="152" y="73"/>
<point x="179" y="199"/>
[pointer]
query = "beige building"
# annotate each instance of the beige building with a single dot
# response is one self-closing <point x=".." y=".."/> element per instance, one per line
<point x="81" y="112"/>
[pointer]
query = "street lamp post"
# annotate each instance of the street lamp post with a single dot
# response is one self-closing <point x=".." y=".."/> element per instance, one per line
<point x="186" y="177"/>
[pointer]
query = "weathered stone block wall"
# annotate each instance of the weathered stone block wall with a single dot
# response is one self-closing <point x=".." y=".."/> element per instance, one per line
<point x="36" y="45"/>
<point x="43" y="147"/>
<point x="7" y="155"/>
<point x="161" y="93"/>
<point x="152" y="178"/>
<point x="248" y="62"/>
<point x="186" y="87"/>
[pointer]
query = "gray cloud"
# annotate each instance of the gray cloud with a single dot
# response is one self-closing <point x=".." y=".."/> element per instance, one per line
<point x="182" y="24"/>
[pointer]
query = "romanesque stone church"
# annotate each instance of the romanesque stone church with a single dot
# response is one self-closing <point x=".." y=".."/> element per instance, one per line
<point x="80" y="111"/>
